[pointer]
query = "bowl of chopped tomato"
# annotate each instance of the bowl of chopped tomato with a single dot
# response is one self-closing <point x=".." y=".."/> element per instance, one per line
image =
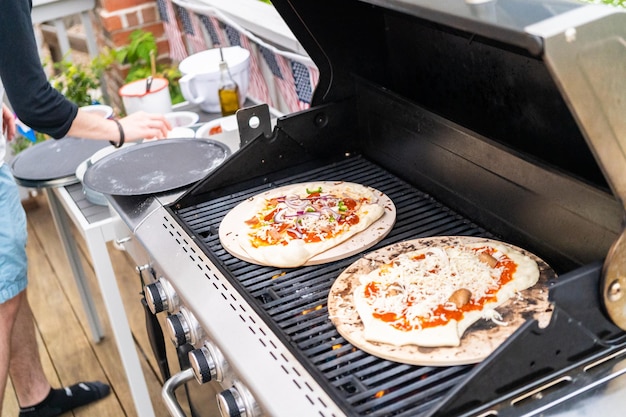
<point x="217" y="126"/>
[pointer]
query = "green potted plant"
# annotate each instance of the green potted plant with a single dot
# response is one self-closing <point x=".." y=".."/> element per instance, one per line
<point x="139" y="54"/>
<point x="79" y="82"/>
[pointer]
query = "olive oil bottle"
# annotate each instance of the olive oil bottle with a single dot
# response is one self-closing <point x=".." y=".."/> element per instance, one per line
<point x="228" y="91"/>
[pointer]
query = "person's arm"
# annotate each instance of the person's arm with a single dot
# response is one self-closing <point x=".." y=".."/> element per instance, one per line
<point x="33" y="99"/>
<point x="135" y="126"/>
<point x="38" y="104"/>
<point x="8" y="122"/>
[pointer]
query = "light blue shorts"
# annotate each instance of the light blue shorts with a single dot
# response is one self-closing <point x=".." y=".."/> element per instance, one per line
<point x="13" y="265"/>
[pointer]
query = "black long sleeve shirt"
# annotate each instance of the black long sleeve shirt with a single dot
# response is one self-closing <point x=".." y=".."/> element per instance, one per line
<point x="33" y="99"/>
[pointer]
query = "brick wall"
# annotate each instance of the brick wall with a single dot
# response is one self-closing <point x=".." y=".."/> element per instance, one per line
<point x="115" y="20"/>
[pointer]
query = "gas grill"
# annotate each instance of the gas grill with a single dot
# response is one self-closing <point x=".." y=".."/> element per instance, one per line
<point x="499" y="119"/>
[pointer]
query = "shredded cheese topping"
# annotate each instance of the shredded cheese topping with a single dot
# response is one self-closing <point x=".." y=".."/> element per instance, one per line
<point x="415" y="290"/>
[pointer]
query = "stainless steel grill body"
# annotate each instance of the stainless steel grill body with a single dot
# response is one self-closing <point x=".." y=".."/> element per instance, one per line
<point x="272" y="324"/>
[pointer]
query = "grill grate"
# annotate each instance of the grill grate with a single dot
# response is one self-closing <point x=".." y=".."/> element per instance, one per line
<point x="294" y="300"/>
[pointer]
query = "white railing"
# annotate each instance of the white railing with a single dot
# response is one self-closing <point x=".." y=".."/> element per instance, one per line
<point x="55" y="12"/>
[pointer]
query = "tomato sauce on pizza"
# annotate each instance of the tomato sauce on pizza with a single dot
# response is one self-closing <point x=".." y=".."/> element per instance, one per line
<point x="289" y="226"/>
<point x="313" y="217"/>
<point x="443" y="313"/>
<point x="430" y="291"/>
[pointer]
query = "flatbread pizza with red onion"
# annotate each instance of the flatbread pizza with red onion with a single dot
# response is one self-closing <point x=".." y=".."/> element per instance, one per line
<point x="289" y="226"/>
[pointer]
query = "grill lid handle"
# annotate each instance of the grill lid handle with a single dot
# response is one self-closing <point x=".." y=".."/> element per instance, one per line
<point x="613" y="282"/>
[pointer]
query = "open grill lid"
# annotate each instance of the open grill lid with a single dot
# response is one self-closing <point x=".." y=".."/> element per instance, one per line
<point x="541" y="77"/>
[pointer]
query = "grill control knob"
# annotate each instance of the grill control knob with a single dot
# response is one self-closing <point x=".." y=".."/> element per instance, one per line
<point x="161" y="296"/>
<point x="230" y="404"/>
<point x="208" y="363"/>
<point x="237" y="401"/>
<point x="183" y="327"/>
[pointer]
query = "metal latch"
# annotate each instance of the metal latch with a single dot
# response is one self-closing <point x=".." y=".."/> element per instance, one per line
<point x="252" y="122"/>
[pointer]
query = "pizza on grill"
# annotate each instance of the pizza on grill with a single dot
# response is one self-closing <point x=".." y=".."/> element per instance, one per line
<point x="288" y="226"/>
<point x="430" y="296"/>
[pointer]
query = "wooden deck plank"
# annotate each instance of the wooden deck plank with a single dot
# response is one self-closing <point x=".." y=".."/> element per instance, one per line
<point x="43" y="227"/>
<point x="63" y="337"/>
<point x="66" y="348"/>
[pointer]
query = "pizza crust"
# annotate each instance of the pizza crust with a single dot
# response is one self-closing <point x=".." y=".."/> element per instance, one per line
<point x="297" y="252"/>
<point x="379" y="331"/>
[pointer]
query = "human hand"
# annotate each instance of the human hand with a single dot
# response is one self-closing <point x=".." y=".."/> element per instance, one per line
<point x="141" y="125"/>
<point x="8" y="122"/>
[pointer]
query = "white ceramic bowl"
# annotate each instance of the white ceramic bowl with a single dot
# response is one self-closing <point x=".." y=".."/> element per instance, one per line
<point x="182" y="118"/>
<point x="217" y="126"/>
<point x="106" y="151"/>
<point x="181" y="132"/>
<point x="101" y="109"/>
<point x="201" y="76"/>
<point x="93" y="196"/>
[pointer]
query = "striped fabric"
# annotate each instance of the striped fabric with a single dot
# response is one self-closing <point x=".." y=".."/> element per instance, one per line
<point x="293" y="79"/>
<point x="314" y="73"/>
<point x="258" y="86"/>
<point x="286" y="82"/>
<point x="178" y="52"/>
<point x="212" y="26"/>
<point x="192" y="30"/>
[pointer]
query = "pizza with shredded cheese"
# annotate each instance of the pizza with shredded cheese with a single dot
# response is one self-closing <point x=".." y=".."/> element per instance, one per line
<point x="289" y="226"/>
<point x="430" y="296"/>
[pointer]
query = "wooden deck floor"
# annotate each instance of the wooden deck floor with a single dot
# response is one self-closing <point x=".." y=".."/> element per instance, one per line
<point x="67" y="350"/>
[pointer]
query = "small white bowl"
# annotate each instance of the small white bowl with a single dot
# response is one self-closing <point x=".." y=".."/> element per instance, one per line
<point x="181" y="132"/>
<point x="182" y="118"/>
<point x="103" y="109"/>
<point x="217" y="126"/>
<point x="98" y="155"/>
<point x="92" y="196"/>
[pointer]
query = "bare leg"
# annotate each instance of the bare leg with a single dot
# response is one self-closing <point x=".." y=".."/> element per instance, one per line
<point x="8" y="312"/>
<point x="27" y="375"/>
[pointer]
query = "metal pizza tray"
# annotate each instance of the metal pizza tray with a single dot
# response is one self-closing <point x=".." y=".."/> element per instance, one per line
<point x="53" y="162"/>
<point x="155" y="167"/>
